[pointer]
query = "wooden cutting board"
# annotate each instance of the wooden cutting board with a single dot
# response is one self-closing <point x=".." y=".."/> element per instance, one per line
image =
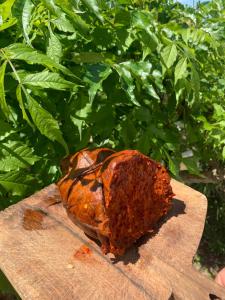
<point x="46" y="256"/>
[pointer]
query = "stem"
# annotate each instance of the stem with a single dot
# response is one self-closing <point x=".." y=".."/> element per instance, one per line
<point x="1" y="50"/>
<point x="22" y="87"/>
<point x="14" y="71"/>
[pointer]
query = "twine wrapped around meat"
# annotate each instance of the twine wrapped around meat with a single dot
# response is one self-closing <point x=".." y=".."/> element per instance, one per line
<point x="115" y="197"/>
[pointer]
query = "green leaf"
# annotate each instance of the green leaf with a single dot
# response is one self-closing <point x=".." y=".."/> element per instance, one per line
<point x="122" y="18"/>
<point x="5" y="9"/>
<point x="125" y="38"/>
<point x="219" y="110"/>
<point x="145" y="141"/>
<point x="169" y="55"/>
<point x="26" y="17"/>
<point x="223" y="152"/>
<point x="180" y="69"/>
<point x="186" y="34"/>
<point x="195" y="80"/>
<point x="140" y="69"/>
<point x="3" y="104"/>
<point x="10" y="22"/>
<point x="21" y="104"/>
<point x="180" y="88"/>
<point x="5" y="130"/>
<point x="25" y="53"/>
<point x="153" y="40"/>
<point x="105" y="115"/>
<point x="45" y="122"/>
<point x="77" y="22"/>
<point x="206" y="125"/>
<point x="16" y="155"/>
<point x="102" y="37"/>
<point x="63" y="24"/>
<point x="128" y="132"/>
<point x="142" y="20"/>
<point x="54" y="49"/>
<point x="15" y="182"/>
<point x="192" y="165"/>
<point x="79" y="124"/>
<point x="151" y="91"/>
<point x="53" y="8"/>
<point x="127" y="82"/>
<point x="48" y="80"/>
<point x="142" y="114"/>
<point x="148" y="40"/>
<point x="173" y="166"/>
<point x="79" y="118"/>
<point x="95" y="75"/>
<point x="93" y="7"/>
<point x="92" y="57"/>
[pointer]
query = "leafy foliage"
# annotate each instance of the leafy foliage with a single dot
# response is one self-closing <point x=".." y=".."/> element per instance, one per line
<point x="124" y="74"/>
<point x="212" y="247"/>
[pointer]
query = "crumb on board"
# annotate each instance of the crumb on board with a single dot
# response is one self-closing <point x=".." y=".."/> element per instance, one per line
<point x="83" y="254"/>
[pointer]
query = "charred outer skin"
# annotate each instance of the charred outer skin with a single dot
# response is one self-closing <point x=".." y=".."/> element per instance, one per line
<point x="115" y="197"/>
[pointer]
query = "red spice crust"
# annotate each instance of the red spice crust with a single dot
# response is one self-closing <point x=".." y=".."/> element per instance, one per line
<point x="115" y="197"/>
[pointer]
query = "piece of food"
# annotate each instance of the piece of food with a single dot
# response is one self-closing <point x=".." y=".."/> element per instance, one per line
<point x="115" y="197"/>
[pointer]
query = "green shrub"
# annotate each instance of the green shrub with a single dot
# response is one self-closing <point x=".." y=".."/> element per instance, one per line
<point x="136" y="74"/>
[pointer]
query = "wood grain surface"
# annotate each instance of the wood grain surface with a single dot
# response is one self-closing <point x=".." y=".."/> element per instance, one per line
<point x="46" y="256"/>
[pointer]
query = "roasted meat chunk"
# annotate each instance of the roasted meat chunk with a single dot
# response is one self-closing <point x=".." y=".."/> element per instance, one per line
<point x="115" y="197"/>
